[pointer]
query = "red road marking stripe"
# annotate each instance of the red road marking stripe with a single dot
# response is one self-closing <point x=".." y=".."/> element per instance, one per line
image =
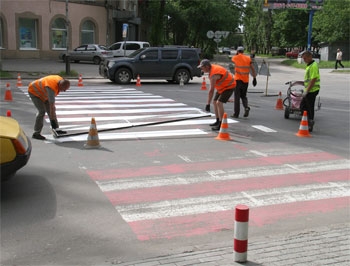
<point x="200" y="224"/>
<point x="100" y="175"/>
<point x="155" y="194"/>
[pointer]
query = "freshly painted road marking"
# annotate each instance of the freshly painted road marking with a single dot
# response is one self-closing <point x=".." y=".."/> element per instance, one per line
<point x="263" y="128"/>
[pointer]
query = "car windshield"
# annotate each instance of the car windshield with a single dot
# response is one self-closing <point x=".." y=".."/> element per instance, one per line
<point x="102" y="47"/>
<point x="136" y="52"/>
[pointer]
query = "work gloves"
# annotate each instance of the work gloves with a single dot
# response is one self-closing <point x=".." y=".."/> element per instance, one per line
<point x="54" y="123"/>
<point x="207" y="108"/>
<point x="254" y="82"/>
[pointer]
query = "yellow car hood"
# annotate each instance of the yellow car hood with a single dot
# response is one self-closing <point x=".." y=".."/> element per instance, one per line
<point x="9" y="127"/>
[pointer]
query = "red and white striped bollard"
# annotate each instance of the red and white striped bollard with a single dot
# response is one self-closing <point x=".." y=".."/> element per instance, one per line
<point x="240" y="241"/>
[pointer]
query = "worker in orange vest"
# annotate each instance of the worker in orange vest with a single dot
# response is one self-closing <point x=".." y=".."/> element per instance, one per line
<point x="243" y="66"/>
<point x="43" y="92"/>
<point x="222" y="80"/>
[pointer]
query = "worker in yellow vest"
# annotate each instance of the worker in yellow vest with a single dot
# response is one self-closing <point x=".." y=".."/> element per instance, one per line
<point x="243" y="66"/>
<point x="43" y="92"/>
<point x="311" y="83"/>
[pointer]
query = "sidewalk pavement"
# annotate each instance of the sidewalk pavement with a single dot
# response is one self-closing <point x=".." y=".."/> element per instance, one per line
<point x="317" y="247"/>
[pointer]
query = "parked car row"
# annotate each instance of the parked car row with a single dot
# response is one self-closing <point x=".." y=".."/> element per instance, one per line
<point x="297" y="54"/>
<point x="96" y="53"/>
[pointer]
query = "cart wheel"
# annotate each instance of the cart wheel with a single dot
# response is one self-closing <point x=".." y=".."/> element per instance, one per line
<point x="286" y="113"/>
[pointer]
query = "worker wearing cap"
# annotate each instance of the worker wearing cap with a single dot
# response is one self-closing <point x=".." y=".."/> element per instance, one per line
<point x="243" y="66"/>
<point x="311" y="85"/>
<point x="43" y="92"/>
<point x="222" y="80"/>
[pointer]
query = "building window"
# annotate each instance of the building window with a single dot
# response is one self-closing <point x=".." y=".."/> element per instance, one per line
<point x="28" y="33"/>
<point x="88" y="32"/>
<point x="59" y="34"/>
<point x="1" y="33"/>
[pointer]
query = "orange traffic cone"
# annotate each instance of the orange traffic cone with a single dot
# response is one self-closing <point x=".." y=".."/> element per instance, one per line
<point x="8" y="113"/>
<point x="279" y="104"/>
<point x="8" y="93"/>
<point x="93" y="141"/>
<point x="223" y="134"/>
<point x="80" y="82"/>
<point x="304" y="127"/>
<point x="204" y="85"/>
<point x="138" y="81"/>
<point x="19" y="80"/>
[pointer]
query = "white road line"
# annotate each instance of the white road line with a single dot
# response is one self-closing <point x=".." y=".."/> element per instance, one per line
<point x="263" y="128"/>
<point x="126" y="105"/>
<point x="220" y="175"/>
<point x="125" y="111"/>
<point x="131" y="135"/>
<point x="215" y="203"/>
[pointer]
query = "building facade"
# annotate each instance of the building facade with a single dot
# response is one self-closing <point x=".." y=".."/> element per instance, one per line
<point x="45" y="28"/>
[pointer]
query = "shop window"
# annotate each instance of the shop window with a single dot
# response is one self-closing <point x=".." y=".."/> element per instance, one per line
<point x="59" y="34"/>
<point x="88" y="32"/>
<point x="1" y="33"/>
<point x="28" y="33"/>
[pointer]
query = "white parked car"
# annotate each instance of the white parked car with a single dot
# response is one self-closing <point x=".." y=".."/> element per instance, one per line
<point x="126" y="48"/>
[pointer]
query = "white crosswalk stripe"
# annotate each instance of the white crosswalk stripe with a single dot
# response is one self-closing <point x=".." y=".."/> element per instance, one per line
<point x="118" y="108"/>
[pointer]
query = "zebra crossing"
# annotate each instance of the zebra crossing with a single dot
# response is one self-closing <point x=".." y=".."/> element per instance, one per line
<point x="198" y="197"/>
<point x="122" y="108"/>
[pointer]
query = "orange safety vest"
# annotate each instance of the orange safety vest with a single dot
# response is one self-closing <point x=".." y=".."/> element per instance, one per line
<point x="242" y="67"/>
<point x="37" y="87"/>
<point x="226" y="81"/>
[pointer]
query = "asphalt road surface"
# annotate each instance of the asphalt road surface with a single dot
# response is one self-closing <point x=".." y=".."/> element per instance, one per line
<point x="170" y="188"/>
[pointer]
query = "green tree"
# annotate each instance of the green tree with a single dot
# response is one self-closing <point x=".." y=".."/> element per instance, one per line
<point x="332" y="23"/>
<point x="201" y="16"/>
<point x="290" y="28"/>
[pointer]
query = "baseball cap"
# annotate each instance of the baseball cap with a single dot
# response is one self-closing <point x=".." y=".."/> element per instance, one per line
<point x="204" y="62"/>
<point x="240" y="48"/>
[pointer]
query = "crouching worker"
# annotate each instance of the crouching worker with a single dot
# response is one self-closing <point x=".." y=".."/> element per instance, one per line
<point x="43" y="92"/>
<point x="222" y="80"/>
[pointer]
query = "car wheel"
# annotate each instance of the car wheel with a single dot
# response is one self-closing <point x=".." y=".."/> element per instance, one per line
<point x="182" y="73"/>
<point x="123" y="76"/>
<point x="96" y="60"/>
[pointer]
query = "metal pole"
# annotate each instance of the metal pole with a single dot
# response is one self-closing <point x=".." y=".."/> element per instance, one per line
<point x="311" y="14"/>
<point x="67" y="42"/>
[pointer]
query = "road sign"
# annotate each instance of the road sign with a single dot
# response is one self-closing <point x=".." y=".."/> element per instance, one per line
<point x="125" y="30"/>
<point x="210" y="34"/>
<point x="218" y="34"/>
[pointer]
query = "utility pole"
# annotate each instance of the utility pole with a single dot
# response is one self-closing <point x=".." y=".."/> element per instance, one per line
<point x="309" y="34"/>
<point x="67" y="42"/>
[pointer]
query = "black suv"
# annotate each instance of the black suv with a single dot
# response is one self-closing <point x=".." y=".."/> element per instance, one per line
<point x="172" y="64"/>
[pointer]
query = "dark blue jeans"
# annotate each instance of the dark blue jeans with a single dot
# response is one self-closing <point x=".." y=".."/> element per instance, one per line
<point x="308" y="104"/>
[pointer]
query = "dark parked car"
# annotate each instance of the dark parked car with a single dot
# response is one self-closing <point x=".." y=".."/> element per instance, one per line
<point x="277" y="51"/>
<point x="169" y="63"/>
<point x="88" y="52"/>
<point x="15" y="147"/>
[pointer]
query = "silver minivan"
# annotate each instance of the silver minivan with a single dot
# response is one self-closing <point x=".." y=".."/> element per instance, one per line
<point x="127" y="47"/>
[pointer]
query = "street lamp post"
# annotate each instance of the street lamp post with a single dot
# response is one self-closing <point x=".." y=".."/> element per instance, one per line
<point x="67" y="42"/>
